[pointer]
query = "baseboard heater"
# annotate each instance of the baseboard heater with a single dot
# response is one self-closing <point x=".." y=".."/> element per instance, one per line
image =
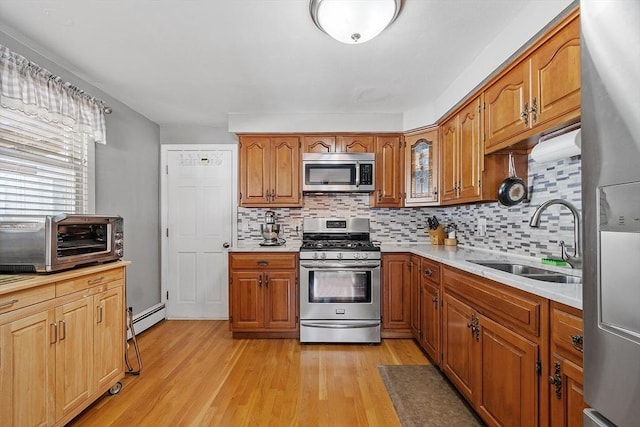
<point x="147" y="318"/>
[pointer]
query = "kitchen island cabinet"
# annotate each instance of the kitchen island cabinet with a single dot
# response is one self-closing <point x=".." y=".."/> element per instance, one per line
<point x="263" y="289"/>
<point x="63" y="349"/>
<point x="269" y="171"/>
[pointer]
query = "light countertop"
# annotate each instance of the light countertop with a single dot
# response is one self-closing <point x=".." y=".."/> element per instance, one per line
<point x="255" y="247"/>
<point x="458" y="256"/>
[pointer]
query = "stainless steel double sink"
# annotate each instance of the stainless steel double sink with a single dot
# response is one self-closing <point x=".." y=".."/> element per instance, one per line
<point x="530" y="272"/>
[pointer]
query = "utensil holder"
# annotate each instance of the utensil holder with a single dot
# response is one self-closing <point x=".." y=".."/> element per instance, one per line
<point x="437" y="236"/>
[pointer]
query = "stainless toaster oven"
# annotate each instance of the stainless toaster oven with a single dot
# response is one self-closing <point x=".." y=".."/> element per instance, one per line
<point x="49" y="243"/>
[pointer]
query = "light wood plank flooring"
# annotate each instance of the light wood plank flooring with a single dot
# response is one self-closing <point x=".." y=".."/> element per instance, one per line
<point x="195" y="374"/>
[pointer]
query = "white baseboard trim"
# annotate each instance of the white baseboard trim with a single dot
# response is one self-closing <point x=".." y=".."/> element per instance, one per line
<point x="147" y="318"/>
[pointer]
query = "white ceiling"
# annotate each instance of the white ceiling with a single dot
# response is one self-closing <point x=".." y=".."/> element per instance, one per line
<point x="192" y="62"/>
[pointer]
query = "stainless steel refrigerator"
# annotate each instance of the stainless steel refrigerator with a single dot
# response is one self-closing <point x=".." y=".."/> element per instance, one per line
<point x="610" y="31"/>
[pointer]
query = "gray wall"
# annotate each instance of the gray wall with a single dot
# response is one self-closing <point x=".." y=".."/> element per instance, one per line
<point x="127" y="181"/>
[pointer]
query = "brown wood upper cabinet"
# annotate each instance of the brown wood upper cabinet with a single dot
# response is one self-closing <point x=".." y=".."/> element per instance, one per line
<point x="269" y="171"/>
<point x="422" y="179"/>
<point x="538" y="93"/>
<point x="338" y="143"/>
<point x="389" y="175"/>
<point x="467" y="175"/>
<point x="462" y="155"/>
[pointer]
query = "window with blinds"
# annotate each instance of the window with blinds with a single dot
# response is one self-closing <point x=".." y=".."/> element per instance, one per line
<point x="44" y="167"/>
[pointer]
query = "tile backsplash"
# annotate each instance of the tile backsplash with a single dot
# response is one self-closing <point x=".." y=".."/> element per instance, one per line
<point x="507" y="229"/>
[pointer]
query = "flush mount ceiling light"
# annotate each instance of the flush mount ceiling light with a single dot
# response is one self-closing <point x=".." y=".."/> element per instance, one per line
<point x="354" y="21"/>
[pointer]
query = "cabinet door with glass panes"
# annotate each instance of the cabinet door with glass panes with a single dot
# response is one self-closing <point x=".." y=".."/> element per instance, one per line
<point x="421" y="166"/>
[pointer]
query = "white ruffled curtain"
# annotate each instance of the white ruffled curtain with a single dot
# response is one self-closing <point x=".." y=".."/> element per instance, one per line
<point x="29" y="88"/>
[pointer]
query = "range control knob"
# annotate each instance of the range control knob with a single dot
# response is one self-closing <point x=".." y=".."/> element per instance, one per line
<point x="356" y="256"/>
<point x="364" y="256"/>
<point x="340" y="255"/>
<point x="323" y="255"/>
<point x="315" y="255"/>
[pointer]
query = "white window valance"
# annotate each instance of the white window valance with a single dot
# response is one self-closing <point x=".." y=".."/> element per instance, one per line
<point x="29" y="88"/>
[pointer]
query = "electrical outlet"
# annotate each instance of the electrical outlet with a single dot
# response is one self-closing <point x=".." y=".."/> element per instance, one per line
<point x="481" y="228"/>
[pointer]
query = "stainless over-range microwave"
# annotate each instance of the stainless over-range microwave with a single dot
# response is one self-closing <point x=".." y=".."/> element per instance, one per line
<point x="338" y="172"/>
<point x="47" y="243"/>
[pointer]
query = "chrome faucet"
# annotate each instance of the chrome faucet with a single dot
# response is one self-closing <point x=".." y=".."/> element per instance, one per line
<point x="575" y="260"/>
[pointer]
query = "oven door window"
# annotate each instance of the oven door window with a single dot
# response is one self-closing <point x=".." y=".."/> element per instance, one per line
<point x="339" y="286"/>
<point x="317" y="174"/>
<point x="82" y="239"/>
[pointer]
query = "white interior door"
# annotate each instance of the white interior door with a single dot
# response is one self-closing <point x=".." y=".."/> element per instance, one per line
<point x="199" y="227"/>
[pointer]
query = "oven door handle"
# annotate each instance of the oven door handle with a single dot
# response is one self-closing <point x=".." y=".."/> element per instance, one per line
<point x="328" y="325"/>
<point x="339" y="265"/>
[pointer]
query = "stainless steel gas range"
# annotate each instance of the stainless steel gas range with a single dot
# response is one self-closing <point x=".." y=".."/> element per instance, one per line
<point x="339" y="282"/>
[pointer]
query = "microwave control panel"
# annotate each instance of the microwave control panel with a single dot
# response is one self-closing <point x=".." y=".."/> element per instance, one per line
<point x="366" y="174"/>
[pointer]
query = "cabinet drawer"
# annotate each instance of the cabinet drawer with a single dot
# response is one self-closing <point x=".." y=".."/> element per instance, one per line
<point x="566" y="332"/>
<point x="430" y="270"/>
<point x="263" y="261"/>
<point x="24" y="297"/>
<point x="513" y="308"/>
<point x="79" y="283"/>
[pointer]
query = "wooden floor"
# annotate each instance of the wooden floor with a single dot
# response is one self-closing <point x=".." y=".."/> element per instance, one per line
<point x="195" y="374"/>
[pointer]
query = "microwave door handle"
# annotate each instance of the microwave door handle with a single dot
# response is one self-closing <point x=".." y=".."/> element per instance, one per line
<point x="357" y="174"/>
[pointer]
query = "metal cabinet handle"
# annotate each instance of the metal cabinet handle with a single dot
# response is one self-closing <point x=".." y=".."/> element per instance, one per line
<point x="556" y="380"/>
<point x="99" y="313"/>
<point x="525" y="114"/>
<point x="53" y="329"/>
<point x="8" y="303"/>
<point x="534" y="110"/>
<point x="226" y="245"/>
<point x="96" y="280"/>
<point x="577" y="342"/>
<point x="428" y="272"/>
<point x="263" y="263"/>
<point x="474" y="325"/>
<point x="63" y="330"/>
<point x="260" y="281"/>
<point x="266" y="280"/>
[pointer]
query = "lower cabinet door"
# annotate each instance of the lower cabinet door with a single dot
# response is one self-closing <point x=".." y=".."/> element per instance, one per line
<point x="567" y="396"/>
<point x="509" y="387"/>
<point x="27" y="374"/>
<point x="431" y="321"/>
<point x="280" y="309"/>
<point x="247" y="300"/>
<point x="109" y="337"/>
<point x="459" y="361"/>
<point x="74" y="354"/>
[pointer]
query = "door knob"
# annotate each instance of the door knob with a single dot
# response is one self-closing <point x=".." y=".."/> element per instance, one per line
<point x="226" y="245"/>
